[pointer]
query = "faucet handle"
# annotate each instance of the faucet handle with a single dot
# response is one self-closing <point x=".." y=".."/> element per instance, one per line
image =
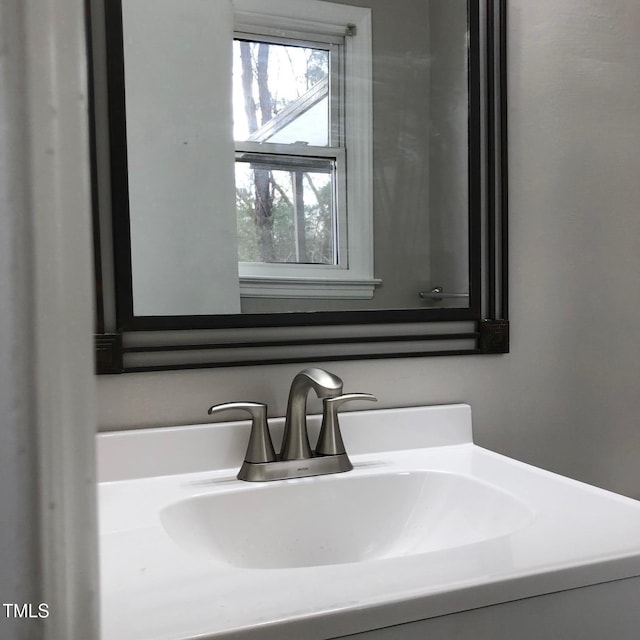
<point x="330" y="439"/>
<point x="260" y="447"/>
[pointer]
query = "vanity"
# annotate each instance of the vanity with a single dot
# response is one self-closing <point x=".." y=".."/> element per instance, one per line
<point x="429" y="535"/>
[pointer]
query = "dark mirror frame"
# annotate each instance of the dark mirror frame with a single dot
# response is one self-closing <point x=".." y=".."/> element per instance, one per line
<point x="129" y="343"/>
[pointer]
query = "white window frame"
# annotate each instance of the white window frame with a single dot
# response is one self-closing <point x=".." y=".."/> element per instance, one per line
<point x="353" y="277"/>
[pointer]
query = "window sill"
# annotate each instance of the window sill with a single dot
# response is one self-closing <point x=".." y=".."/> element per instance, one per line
<point x="307" y="287"/>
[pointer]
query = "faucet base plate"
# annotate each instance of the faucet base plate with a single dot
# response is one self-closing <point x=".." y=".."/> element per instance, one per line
<point x="286" y="469"/>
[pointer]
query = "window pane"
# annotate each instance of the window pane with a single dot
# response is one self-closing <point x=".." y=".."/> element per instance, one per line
<point x="285" y="213"/>
<point x="280" y="93"/>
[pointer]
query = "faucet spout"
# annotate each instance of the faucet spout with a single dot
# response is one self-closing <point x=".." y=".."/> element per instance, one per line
<point x="295" y="442"/>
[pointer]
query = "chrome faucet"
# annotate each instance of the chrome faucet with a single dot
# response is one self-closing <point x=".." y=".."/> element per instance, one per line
<point x="296" y="459"/>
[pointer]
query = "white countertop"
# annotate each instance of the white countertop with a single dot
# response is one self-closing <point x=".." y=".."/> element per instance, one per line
<point x="154" y="590"/>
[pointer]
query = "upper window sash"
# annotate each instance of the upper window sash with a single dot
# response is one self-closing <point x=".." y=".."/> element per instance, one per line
<point x="334" y="86"/>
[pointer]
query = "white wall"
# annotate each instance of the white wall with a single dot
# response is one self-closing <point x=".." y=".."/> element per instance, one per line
<point x="565" y="398"/>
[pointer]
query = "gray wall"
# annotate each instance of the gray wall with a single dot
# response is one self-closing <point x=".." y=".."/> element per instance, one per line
<point x="18" y="444"/>
<point x="47" y="392"/>
<point x="178" y="157"/>
<point x="565" y="398"/>
<point x="448" y="145"/>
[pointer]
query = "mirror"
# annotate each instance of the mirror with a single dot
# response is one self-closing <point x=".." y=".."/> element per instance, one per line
<point x="297" y="163"/>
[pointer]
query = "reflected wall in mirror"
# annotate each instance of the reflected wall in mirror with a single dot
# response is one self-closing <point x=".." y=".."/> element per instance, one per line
<point x="295" y="162"/>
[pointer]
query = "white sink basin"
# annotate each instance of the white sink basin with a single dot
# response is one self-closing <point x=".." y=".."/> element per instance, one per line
<point x="426" y="525"/>
<point x="342" y="518"/>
